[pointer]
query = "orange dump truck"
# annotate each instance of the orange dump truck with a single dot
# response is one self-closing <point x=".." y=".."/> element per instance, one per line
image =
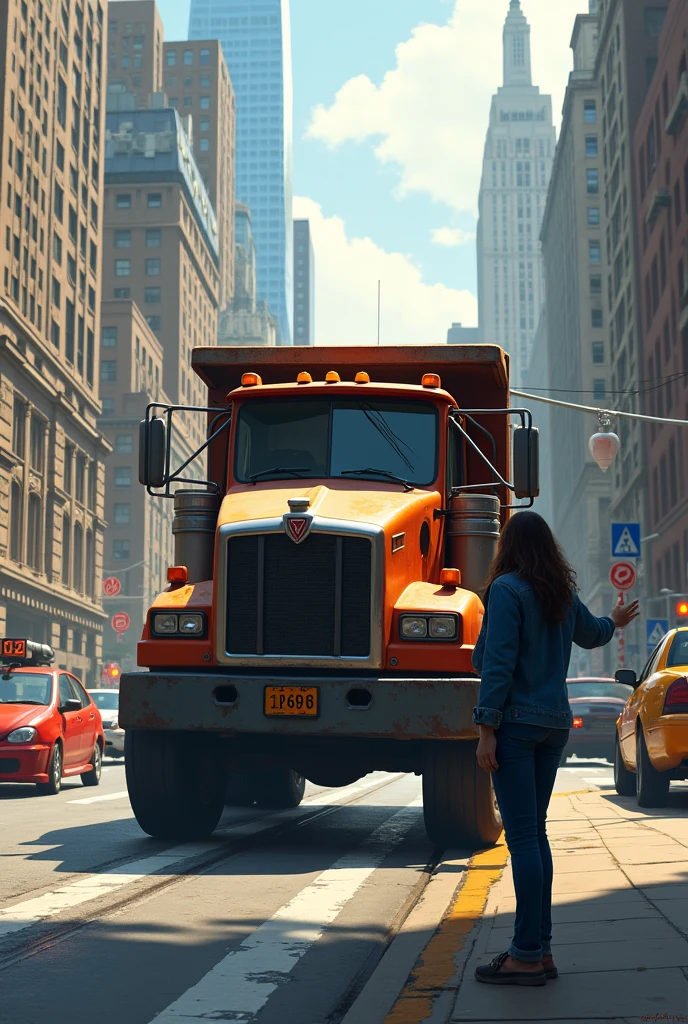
<point x="326" y="598"/>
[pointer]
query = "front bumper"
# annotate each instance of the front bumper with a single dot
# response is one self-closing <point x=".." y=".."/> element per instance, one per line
<point x="403" y="709"/>
<point x="24" y="763"/>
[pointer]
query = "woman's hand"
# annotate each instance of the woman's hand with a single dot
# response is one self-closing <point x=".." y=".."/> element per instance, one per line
<point x="624" y="613"/>
<point x="487" y="746"/>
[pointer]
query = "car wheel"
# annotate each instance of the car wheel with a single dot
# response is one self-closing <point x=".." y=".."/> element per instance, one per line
<point x="651" y="786"/>
<point x="624" y="780"/>
<point x="54" y="785"/>
<point x="92" y="778"/>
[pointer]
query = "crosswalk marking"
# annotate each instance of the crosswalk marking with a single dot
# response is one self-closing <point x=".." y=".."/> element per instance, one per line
<point x="239" y="985"/>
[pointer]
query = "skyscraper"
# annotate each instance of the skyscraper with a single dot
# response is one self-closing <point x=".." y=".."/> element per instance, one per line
<point x="517" y="164"/>
<point x="255" y="37"/>
<point x="304" y="284"/>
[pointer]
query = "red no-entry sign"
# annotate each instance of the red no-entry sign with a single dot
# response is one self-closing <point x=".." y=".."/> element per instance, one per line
<point x="120" y="622"/>
<point x="622" y="576"/>
<point x="111" y="586"/>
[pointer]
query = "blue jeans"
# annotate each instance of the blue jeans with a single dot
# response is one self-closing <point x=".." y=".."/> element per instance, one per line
<point x="528" y="757"/>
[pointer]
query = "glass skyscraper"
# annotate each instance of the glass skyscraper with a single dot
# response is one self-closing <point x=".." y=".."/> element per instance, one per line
<point x="256" y="40"/>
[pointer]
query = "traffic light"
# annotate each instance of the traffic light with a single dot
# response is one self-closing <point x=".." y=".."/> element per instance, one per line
<point x="112" y="672"/>
<point x="682" y="608"/>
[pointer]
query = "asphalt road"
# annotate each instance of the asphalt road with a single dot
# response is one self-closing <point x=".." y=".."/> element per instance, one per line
<point x="280" y="918"/>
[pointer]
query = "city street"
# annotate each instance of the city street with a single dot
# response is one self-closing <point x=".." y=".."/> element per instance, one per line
<point x="279" y="917"/>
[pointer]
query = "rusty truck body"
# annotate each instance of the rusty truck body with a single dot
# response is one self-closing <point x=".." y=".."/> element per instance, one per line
<point x="324" y="606"/>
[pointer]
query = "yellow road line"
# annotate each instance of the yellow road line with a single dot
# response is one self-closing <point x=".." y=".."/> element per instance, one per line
<point x="435" y="967"/>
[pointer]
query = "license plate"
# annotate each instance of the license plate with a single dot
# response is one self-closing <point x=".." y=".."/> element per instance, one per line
<point x="291" y="700"/>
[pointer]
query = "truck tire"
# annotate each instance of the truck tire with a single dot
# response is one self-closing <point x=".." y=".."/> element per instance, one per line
<point x="241" y="789"/>
<point x="176" y="782"/>
<point x="279" y="788"/>
<point x="624" y="780"/>
<point x="651" y="786"/>
<point x="459" y="805"/>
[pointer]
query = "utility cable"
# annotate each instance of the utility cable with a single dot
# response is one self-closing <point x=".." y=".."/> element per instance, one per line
<point x="596" y="410"/>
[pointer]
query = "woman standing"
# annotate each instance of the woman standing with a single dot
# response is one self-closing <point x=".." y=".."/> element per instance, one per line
<point x="533" y="616"/>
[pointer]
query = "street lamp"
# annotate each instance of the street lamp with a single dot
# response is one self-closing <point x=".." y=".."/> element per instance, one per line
<point x="604" y="445"/>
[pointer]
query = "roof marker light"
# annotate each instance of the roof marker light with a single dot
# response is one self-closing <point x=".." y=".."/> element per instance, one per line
<point x="251" y="380"/>
<point x="304" y="378"/>
<point x="431" y="380"/>
<point x="362" y="377"/>
<point x="332" y="377"/>
<point x="177" y="574"/>
<point x="450" y="577"/>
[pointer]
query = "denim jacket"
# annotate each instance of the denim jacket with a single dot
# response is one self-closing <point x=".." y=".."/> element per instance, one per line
<point x="523" y="659"/>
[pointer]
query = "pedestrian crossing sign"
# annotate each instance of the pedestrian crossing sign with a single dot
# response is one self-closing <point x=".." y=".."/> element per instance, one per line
<point x="656" y="629"/>
<point x="625" y="540"/>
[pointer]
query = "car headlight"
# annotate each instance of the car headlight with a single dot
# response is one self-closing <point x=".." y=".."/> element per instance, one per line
<point x="165" y="623"/>
<point x="443" y="627"/>
<point x="414" y="628"/>
<point x="190" y="625"/>
<point x="24" y="735"/>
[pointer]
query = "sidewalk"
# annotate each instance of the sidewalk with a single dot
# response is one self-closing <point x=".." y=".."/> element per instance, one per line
<point x="620" y="914"/>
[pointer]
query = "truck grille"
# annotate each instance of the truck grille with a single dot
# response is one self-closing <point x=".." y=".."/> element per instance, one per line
<point x="307" y="600"/>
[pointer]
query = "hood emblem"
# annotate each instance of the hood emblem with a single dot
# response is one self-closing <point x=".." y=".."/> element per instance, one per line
<point x="298" y="521"/>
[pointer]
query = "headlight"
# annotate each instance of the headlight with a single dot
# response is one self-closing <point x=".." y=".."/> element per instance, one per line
<point x="443" y="627"/>
<point x="165" y="623"/>
<point x="414" y="628"/>
<point x="24" y="735"/>
<point x="190" y="625"/>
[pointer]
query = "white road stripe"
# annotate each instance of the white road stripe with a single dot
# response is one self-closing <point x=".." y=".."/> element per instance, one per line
<point x="599" y="782"/>
<point x="239" y="985"/>
<point x="50" y="904"/>
<point x="99" y="799"/>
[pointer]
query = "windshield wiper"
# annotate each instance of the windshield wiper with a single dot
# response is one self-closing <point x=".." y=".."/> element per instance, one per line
<point x="39" y="702"/>
<point x="378" y="472"/>
<point x="377" y="420"/>
<point x="293" y="471"/>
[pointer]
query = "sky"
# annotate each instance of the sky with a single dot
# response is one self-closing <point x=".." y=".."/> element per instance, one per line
<point x="391" y="107"/>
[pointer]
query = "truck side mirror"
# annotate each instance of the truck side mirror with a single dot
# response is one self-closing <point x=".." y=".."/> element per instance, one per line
<point x="152" y="452"/>
<point x="526" y="462"/>
<point x="626" y="676"/>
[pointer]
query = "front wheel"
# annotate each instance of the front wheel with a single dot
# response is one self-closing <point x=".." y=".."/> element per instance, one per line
<point x="651" y="786"/>
<point x="54" y="784"/>
<point x="459" y="803"/>
<point x="92" y="778"/>
<point x="279" y="789"/>
<point x="624" y="780"/>
<point x="176" y="782"/>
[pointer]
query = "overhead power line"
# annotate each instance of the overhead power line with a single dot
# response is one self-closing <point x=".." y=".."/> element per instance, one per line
<point x="596" y="410"/>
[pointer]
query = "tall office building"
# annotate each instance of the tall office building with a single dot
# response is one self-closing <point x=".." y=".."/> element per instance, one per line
<point x="304" y="284"/>
<point x="517" y="164"/>
<point x="255" y="37"/>
<point x="246" y="321"/>
<point x="52" y="454"/>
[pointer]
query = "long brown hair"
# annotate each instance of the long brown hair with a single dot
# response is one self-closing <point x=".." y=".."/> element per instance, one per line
<point x="528" y="547"/>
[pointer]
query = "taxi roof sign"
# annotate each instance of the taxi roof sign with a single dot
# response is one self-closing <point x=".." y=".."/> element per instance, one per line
<point x="25" y="652"/>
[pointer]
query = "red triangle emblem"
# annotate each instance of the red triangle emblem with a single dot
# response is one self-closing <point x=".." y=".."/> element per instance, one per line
<point x="297" y="528"/>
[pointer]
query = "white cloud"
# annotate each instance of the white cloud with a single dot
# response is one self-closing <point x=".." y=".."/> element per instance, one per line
<point x="430" y="113"/>
<point x="452" y="237"/>
<point x="347" y="272"/>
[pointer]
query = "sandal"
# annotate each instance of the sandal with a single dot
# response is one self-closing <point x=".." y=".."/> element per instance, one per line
<point x="492" y="975"/>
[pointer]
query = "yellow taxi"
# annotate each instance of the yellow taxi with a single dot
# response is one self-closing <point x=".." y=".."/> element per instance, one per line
<point x="652" y="731"/>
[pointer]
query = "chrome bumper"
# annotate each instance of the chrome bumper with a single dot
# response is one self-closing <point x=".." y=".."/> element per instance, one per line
<point x="404" y="709"/>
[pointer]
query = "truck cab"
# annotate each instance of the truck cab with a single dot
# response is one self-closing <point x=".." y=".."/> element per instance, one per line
<point x="326" y="598"/>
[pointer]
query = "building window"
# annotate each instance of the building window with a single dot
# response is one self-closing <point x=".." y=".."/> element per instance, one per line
<point x="122" y="516"/>
<point x="590" y="111"/>
<point x="124" y="444"/>
<point x="152" y="296"/>
<point x="108" y="337"/>
<point x="598" y="352"/>
<point x="153" y="238"/>
<point x="122" y="239"/>
<point x="58" y="203"/>
<point x="591" y="147"/>
<point x="33" y="533"/>
<point x="204" y="145"/>
<point x="204" y="124"/>
<point x="593" y="216"/>
<point x="595" y="252"/>
<point x="519" y="51"/>
<point x="123" y="476"/>
<point x="153" y="268"/>
<point x="204" y="56"/>
<point x="599" y="390"/>
<point x="205" y="102"/>
<point x="205" y="81"/>
<point x="153" y="322"/>
<point x="108" y="370"/>
<point x="123" y="201"/>
<point x="595" y="284"/>
<point x="122" y="268"/>
<point x="188" y="101"/>
<point x="108" y="405"/>
<point x="593" y="181"/>
<point x="171" y="58"/>
<point x="654" y="21"/>
<point x="16" y="507"/>
<point x="138" y="42"/>
<point x="120" y="550"/>
<point x="122" y="293"/>
<point x="154" y="200"/>
<point x="596" y="318"/>
<point x="188" y="57"/>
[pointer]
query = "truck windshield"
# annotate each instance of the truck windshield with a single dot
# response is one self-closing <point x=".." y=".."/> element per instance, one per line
<point x="346" y="438"/>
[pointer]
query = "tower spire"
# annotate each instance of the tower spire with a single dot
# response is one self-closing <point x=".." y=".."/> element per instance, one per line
<point x="517" y="69"/>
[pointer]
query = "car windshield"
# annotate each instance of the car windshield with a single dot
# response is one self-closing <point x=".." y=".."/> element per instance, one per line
<point x="105" y="700"/>
<point x="678" y="655"/>
<point x="347" y="438"/>
<point x="593" y="688"/>
<point x="25" y="688"/>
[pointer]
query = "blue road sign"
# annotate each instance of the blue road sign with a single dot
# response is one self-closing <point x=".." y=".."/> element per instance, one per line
<point x="656" y="628"/>
<point x="625" y="540"/>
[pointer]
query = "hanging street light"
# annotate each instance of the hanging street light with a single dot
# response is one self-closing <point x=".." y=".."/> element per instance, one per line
<point x="604" y="445"/>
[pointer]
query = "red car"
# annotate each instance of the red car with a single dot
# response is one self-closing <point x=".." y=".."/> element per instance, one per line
<point x="596" y="704"/>
<point x="50" y="728"/>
